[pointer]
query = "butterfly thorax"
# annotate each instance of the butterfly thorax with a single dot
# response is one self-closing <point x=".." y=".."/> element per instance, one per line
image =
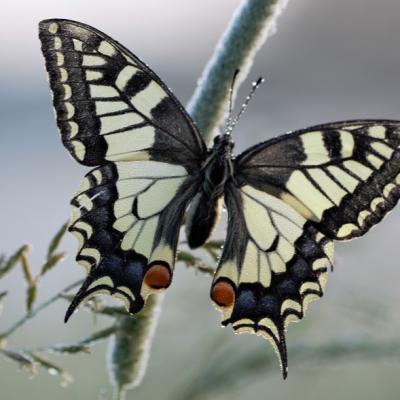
<point x="205" y="208"/>
<point x="217" y="168"/>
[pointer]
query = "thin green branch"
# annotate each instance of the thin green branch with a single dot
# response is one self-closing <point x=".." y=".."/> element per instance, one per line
<point x="52" y="368"/>
<point x="197" y="263"/>
<point x="7" y="266"/>
<point x="251" y="24"/>
<point x="55" y="241"/>
<point x="29" y="315"/>
<point x="83" y="345"/>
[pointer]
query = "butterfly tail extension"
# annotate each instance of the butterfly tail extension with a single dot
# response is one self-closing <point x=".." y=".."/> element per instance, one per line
<point x="129" y="280"/>
<point x="80" y="296"/>
<point x="94" y="285"/>
<point x="282" y="351"/>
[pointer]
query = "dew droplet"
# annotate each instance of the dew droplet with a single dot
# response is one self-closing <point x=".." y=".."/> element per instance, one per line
<point x="52" y="371"/>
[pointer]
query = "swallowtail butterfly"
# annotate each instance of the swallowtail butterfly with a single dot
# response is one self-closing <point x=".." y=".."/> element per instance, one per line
<point x="287" y="198"/>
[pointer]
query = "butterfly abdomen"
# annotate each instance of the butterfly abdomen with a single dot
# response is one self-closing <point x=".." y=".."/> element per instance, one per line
<point x="202" y="217"/>
<point x="205" y="209"/>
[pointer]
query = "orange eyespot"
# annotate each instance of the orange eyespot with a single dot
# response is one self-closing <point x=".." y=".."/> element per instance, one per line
<point x="158" y="276"/>
<point x="223" y="294"/>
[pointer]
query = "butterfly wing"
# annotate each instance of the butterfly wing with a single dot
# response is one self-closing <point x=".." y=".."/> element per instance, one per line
<point x="291" y="197"/>
<point x="114" y="112"/>
<point x="345" y="175"/>
<point x="110" y="106"/>
<point x="127" y="218"/>
<point x="274" y="262"/>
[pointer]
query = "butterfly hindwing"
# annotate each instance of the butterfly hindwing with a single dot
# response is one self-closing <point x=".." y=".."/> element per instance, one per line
<point x="110" y="106"/>
<point x="127" y="218"/>
<point x="274" y="262"/>
<point x="345" y="175"/>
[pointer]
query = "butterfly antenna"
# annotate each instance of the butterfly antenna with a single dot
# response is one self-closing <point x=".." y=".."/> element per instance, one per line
<point x="228" y="125"/>
<point x="255" y="85"/>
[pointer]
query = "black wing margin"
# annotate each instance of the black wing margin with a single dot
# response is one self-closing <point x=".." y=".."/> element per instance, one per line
<point x="345" y="176"/>
<point x="110" y="106"/>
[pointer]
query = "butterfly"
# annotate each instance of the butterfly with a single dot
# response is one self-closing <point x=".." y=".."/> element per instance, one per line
<point x="287" y="198"/>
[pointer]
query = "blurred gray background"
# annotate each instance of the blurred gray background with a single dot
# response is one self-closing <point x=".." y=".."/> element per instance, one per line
<point x="329" y="60"/>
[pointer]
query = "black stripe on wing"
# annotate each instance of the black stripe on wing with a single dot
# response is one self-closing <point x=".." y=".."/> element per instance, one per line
<point x="343" y="175"/>
<point x="110" y="106"/>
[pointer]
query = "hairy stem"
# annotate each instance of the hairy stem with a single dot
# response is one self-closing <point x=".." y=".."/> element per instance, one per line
<point x="251" y="24"/>
<point x="129" y="350"/>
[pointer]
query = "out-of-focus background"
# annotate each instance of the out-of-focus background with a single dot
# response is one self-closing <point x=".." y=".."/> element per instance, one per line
<point x="328" y="61"/>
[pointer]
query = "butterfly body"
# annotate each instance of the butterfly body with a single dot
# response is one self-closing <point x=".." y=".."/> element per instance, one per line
<point x="287" y="199"/>
<point x="205" y="209"/>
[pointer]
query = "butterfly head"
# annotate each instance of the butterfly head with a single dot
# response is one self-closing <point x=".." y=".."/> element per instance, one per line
<point x="223" y="144"/>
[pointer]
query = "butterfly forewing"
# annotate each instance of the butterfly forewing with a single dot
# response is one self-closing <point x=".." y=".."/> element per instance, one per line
<point x="110" y="106"/>
<point x="344" y="175"/>
<point x="114" y="112"/>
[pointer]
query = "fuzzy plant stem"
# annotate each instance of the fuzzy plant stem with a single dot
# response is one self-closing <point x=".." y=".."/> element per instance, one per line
<point x="129" y="349"/>
<point x="252" y="23"/>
